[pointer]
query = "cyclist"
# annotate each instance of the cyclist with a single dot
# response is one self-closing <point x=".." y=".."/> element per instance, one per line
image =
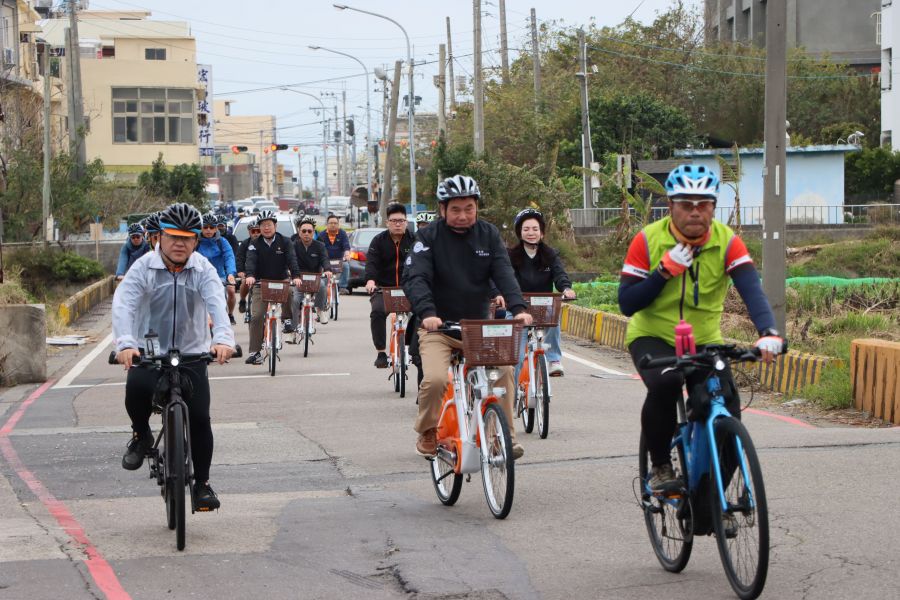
<point x="538" y="269"/>
<point x="449" y="278"/>
<point x="338" y="245"/>
<point x="240" y="261"/>
<point x="133" y="248"/>
<point x="151" y="226"/>
<point x="311" y="258"/>
<point x="385" y="259"/>
<point x="662" y="273"/>
<point x="271" y="256"/>
<point x="423" y="219"/>
<point x="171" y="292"/>
<point x="218" y="252"/>
<point x="226" y="233"/>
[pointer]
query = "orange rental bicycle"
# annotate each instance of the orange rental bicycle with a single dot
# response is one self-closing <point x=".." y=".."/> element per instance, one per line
<point x="397" y="304"/>
<point x="533" y="390"/>
<point x="274" y="294"/>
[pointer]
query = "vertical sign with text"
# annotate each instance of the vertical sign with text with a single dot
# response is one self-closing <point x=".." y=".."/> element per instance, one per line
<point x="205" y="137"/>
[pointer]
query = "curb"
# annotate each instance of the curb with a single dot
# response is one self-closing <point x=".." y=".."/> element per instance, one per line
<point x="788" y="374"/>
<point x="82" y="302"/>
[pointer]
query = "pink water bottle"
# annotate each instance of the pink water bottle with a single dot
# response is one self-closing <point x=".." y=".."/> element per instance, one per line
<point x="684" y="339"/>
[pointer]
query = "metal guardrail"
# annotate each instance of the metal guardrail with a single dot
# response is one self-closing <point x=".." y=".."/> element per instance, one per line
<point x="851" y="214"/>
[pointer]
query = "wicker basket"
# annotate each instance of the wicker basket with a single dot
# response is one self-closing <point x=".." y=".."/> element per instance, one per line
<point x="309" y="283"/>
<point x="544" y="308"/>
<point x="335" y="266"/>
<point x="491" y="343"/>
<point x="275" y="291"/>
<point x="395" y="300"/>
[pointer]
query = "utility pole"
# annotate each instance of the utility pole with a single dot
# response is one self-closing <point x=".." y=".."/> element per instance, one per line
<point x="260" y="166"/>
<point x="47" y="149"/>
<point x="587" y="154"/>
<point x="274" y="167"/>
<point x="388" y="190"/>
<point x="348" y="174"/>
<point x="452" y="86"/>
<point x="504" y="48"/>
<point x="76" y="126"/>
<point x="315" y="179"/>
<point x="441" y="82"/>
<point x="300" y="175"/>
<point x="774" y="176"/>
<point x="536" y="62"/>
<point x="478" y="90"/>
<point x="353" y="174"/>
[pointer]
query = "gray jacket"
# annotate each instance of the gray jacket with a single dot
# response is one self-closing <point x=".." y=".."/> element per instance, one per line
<point x="174" y="305"/>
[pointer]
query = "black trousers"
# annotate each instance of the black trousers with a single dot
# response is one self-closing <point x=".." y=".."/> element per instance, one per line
<point x="659" y="414"/>
<point x="377" y="322"/>
<point x="139" y="389"/>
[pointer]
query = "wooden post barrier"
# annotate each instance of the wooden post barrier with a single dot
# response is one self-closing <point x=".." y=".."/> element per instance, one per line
<point x="875" y="374"/>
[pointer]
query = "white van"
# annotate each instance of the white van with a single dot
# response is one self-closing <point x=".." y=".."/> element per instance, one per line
<point x="338" y="206"/>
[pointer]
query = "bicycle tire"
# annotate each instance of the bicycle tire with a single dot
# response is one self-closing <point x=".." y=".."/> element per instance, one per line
<point x="447" y="493"/>
<point x="306" y="327"/>
<point x="527" y="411"/>
<point x="752" y="523"/>
<point x="336" y="303"/>
<point x="167" y="492"/>
<point x="401" y="354"/>
<point x="673" y="550"/>
<point x="542" y="389"/>
<point x="273" y="347"/>
<point x="177" y="461"/>
<point x="498" y="473"/>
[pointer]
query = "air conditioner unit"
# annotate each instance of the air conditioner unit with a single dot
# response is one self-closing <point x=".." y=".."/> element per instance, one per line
<point x="9" y="57"/>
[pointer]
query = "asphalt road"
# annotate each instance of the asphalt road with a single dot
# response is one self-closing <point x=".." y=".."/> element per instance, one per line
<point x="323" y="496"/>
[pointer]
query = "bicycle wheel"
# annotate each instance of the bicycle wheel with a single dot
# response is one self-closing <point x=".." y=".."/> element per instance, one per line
<point x="447" y="483"/>
<point x="401" y="358"/>
<point x="337" y="302"/>
<point x="497" y="468"/>
<point x="527" y="411"/>
<point x="175" y="451"/>
<point x="273" y="347"/>
<point x="306" y="328"/>
<point x="744" y="542"/>
<point x="395" y="367"/>
<point x="542" y="395"/>
<point x="667" y="519"/>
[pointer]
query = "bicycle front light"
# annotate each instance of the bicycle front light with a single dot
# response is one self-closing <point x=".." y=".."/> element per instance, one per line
<point x="174" y="360"/>
<point x="493" y="375"/>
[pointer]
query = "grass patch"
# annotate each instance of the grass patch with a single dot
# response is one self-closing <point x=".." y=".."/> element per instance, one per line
<point x="11" y="290"/>
<point x="833" y="391"/>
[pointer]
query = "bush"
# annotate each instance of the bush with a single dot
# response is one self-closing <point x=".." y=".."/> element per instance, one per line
<point x="43" y="266"/>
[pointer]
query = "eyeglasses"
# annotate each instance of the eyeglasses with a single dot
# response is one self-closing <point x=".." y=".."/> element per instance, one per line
<point x="136" y="235"/>
<point x="209" y="226"/>
<point x="254" y="230"/>
<point x="396" y="221"/>
<point x="307" y="231"/>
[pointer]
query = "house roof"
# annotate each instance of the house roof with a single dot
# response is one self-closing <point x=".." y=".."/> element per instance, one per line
<point x="699" y="152"/>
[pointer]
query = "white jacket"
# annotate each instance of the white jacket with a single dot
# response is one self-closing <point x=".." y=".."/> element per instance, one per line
<point x="174" y="305"/>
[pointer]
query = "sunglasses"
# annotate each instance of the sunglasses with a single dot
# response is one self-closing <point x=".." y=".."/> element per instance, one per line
<point x="209" y="226"/>
<point x="179" y="239"/>
<point x="307" y="231"/>
<point x="694" y="204"/>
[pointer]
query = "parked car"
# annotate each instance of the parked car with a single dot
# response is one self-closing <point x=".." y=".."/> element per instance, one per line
<point x="246" y="204"/>
<point x="284" y="225"/>
<point x="359" y="246"/>
<point x="261" y="206"/>
<point x="338" y="206"/>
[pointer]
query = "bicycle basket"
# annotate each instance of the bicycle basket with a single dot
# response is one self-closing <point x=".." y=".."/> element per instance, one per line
<point x="395" y="301"/>
<point x="275" y="291"/>
<point x="491" y="343"/>
<point x="335" y="266"/>
<point x="544" y="308"/>
<point x="309" y="283"/>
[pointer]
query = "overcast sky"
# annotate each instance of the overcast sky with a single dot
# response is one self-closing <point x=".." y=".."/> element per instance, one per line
<point x="265" y="43"/>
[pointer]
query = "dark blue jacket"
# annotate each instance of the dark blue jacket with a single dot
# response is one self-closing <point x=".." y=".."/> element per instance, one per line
<point x="341" y="244"/>
<point x="218" y="252"/>
<point x="128" y="254"/>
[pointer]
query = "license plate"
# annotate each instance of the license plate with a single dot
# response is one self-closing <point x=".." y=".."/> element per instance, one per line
<point x="397" y="294"/>
<point x="495" y="331"/>
<point x="309" y="277"/>
<point x="542" y="301"/>
<point x="276" y="286"/>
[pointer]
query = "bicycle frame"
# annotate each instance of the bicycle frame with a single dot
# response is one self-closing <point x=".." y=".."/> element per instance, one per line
<point x="534" y="348"/>
<point x="398" y="334"/>
<point x="272" y="333"/>
<point x="174" y="402"/>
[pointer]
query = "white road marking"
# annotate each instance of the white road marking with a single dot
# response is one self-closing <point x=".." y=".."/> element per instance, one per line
<point x="83" y="363"/>
<point x="593" y="365"/>
<point x="119" y="383"/>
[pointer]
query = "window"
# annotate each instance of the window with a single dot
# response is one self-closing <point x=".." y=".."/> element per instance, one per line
<point x="153" y="116"/>
<point x="154" y="53"/>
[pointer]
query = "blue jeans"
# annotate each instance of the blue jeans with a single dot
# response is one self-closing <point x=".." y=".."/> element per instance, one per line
<point x="345" y="275"/>
<point x="551" y="337"/>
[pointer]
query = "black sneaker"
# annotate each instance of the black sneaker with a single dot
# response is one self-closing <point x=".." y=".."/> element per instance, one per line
<point x="231" y="318"/>
<point x="288" y="326"/>
<point x="254" y="359"/>
<point x="242" y="305"/>
<point x="138" y="447"/>
<point x="663" y="479"/>
<point x="381" y="361"/>
<point x="205" y="498"/>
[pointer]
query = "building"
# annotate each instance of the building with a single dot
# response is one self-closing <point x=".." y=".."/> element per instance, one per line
<point x="257" y="133"/>
<point x="842" y="29"/>
<point x="140" y="88"/>
<point x="889" y="21"/>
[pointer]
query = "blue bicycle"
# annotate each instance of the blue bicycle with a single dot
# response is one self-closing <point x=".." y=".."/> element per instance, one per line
<point x="722" y="489"/>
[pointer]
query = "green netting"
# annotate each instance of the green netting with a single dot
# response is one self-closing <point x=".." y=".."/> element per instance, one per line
<point x="839" y="281"/>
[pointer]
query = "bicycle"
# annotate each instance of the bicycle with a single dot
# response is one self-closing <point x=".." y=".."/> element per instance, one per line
<point x="334" y="296"/>
<point x="722" y="486"/>
<point x="304" y="328"/>
<point x="274" y="294"/>
<point x="170" y="457"/>
<point x="473" y="433"/>
<point x="530" y="398"/>
<point x="397" y="304"/>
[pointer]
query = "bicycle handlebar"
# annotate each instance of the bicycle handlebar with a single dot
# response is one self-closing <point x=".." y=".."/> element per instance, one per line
<point x="706" y="357"/>
<point x="165" y="359"/>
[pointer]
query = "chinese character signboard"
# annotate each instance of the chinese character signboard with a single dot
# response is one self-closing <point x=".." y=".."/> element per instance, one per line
<point x="205" y="138"/>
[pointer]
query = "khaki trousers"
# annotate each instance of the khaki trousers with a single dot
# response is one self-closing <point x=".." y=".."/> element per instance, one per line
<point x="436" y="350"/>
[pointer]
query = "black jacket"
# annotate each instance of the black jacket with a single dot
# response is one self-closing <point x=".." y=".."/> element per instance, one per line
<point x="229" y="237"/>
<point x="385" y="259"/>
<point x="240" y="257"/>
<point x="313" y="259"/>
<point x="449" y="275"/>
<point x="541" y="273"/>
<point x="275" y="261"/>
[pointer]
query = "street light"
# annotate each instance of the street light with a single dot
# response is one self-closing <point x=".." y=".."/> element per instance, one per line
<point x="412" y="103"/>
<point x="369" y="192"/>
<point x="324" y="142"/>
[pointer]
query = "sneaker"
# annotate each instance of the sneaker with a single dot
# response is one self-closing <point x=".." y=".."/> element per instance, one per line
<point x="344" y="291"/>
<point x="663" y="479"/>
<point x="247" y="317"/>
<point x="231" y="318"/>
<point x="205" y="498"/>
<point x="381" y="361"/>
<point x="556" y="369"/>
<point x="322" y="316"/>
<point x="517" y="451"/>
<point x="255" y="359"/>
<point x="730" y="524"/>
<point x="426" y="445"/>
<point x="288" y="326"/>
<point x="242" y="305"/>
<point x="138" y="447"/>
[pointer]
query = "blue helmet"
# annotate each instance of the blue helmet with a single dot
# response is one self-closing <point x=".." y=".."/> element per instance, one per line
<point x="135" y="229"/>
<point x="692" y="180"/>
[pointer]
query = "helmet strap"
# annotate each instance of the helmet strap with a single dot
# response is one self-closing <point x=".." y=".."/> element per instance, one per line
<point x="681" y="237"/>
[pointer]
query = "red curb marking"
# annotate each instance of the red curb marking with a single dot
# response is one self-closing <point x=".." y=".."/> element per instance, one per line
<point x="100" y="570"/>
<point x="784" y="418"/>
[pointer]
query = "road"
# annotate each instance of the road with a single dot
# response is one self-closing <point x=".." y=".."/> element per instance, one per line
<point x="323" y="496"/>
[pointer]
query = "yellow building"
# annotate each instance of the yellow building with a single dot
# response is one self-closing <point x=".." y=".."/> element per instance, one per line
<point x="257" y="133"/>
<point x="139" y="88"/>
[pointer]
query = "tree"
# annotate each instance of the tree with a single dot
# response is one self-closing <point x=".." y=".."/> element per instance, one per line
<point x="185" y="183"/>
<point x="155" y="181"/>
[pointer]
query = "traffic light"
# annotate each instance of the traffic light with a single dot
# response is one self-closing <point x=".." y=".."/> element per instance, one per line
<point x="296" y="148"/>
<point x="351" y="129"/>
<point x="276" y="147"/>
<point x="238" y="149"/>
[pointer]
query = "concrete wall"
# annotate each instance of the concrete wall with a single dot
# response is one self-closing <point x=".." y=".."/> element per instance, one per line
<point x="81" y="303"/>
<point x="23" y="345"/>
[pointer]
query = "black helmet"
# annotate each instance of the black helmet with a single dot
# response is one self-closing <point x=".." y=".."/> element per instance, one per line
<point x="181" y="216"/>
<point x="135" y="229"/>
<point x="524" y="215"/>
<point x="458" y="186"/>
<point x="210" y="219"/>
<point x="266" y="215"/>
<point x="151" y="223"/>
<point x="222" y="220"/>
